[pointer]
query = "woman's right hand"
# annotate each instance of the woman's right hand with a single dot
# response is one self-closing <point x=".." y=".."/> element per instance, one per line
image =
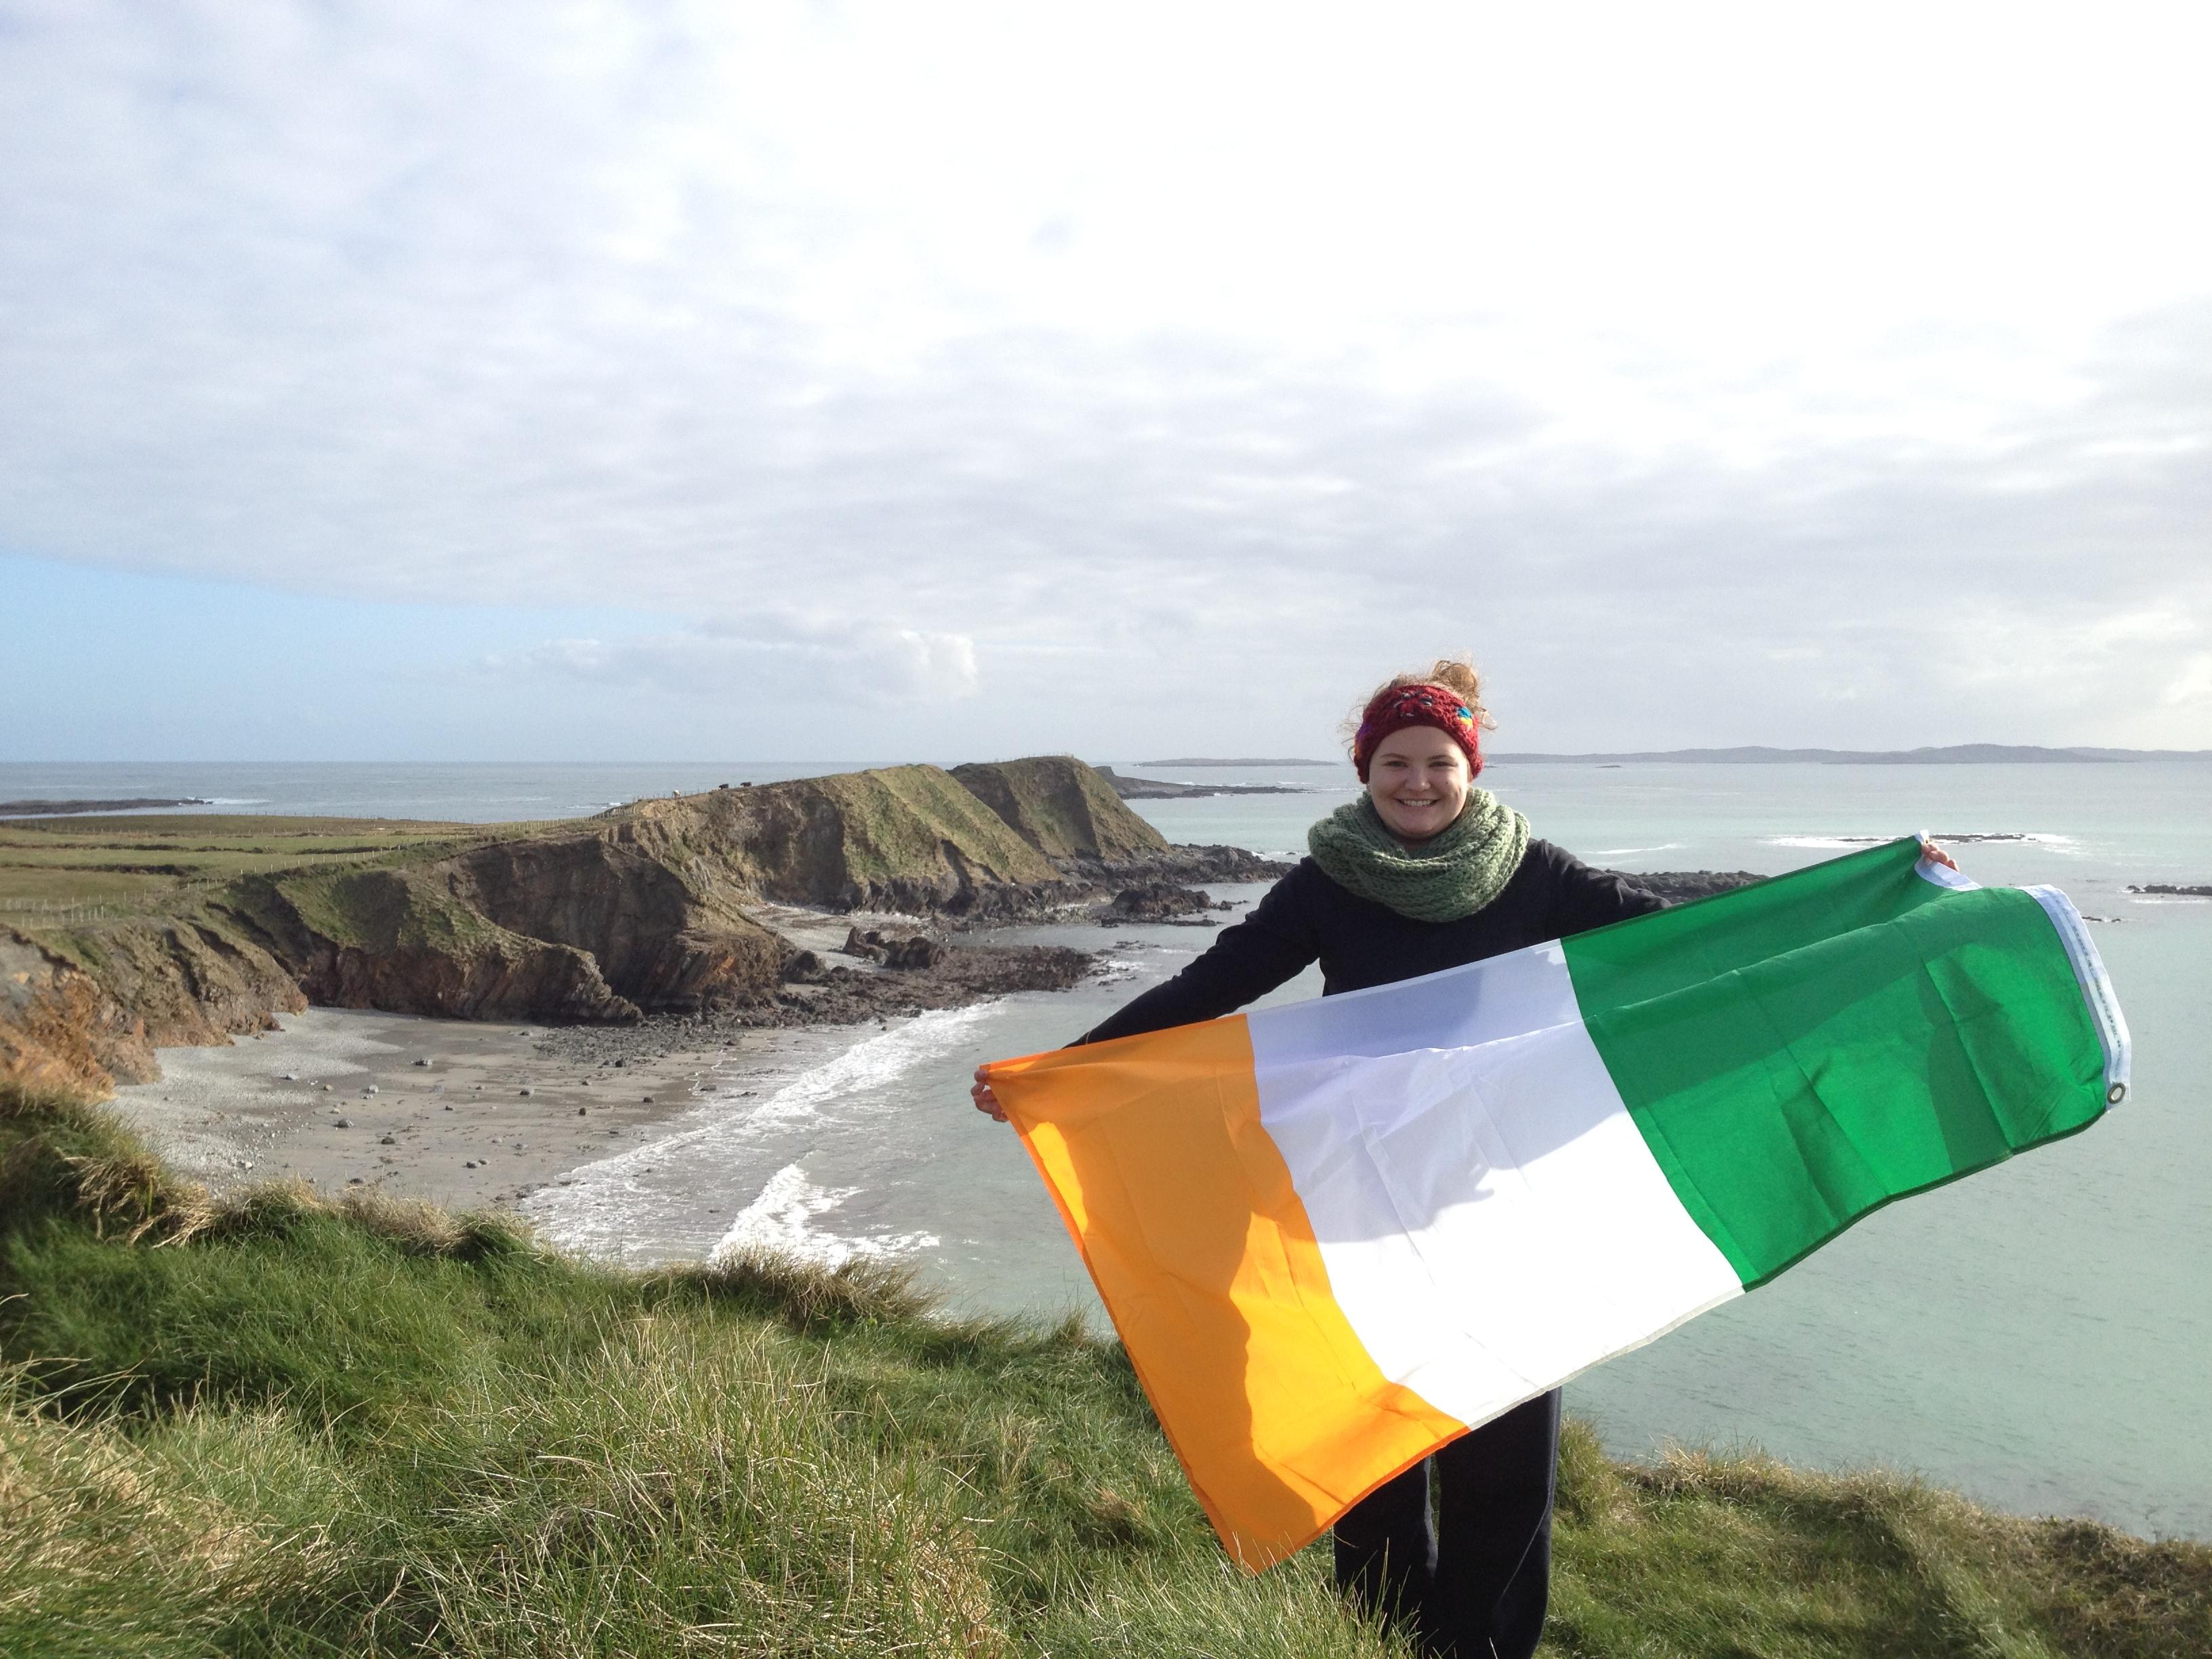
<point x="986" y="1101"/>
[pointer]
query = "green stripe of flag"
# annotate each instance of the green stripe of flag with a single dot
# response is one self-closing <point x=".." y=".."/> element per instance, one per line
<point x="1800" y="1052"/>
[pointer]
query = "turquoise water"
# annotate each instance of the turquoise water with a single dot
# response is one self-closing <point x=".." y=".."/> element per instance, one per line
<point x="2037" y="1336"/>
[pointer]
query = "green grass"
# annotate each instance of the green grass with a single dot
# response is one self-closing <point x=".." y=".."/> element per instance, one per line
<point x="144" y="866"/>
<point x="287" y="1426"/>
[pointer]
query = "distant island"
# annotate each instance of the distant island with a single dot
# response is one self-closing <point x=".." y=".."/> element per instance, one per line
<point x="1216" y="760"/>
<point x="54" y="809"/>
<point x="1130" y="788"/>
<point x="1957" y="754"/>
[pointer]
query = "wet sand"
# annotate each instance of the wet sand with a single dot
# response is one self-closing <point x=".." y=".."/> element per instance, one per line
<point x="467" y="1115"/>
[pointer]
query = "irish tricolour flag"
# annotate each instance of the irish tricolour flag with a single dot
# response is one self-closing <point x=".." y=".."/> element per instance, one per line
<point x="1335" y="1235"/>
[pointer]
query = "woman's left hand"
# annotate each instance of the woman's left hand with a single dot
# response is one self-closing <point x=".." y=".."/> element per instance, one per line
<point x="985" y="1098"/>
<point x="1935" y="854"/>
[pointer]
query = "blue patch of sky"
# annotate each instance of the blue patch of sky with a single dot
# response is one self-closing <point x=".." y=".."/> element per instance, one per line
<point x="103" y="664"/>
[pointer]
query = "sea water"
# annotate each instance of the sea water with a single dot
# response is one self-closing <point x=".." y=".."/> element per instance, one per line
<point x="2038" y="1336"/>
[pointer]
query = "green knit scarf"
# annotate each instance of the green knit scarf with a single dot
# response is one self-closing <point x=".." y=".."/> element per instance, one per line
<point x="1448" y="876"/>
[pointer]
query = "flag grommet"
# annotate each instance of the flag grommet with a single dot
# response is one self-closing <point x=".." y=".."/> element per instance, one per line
<point x="2116" y="1094"/>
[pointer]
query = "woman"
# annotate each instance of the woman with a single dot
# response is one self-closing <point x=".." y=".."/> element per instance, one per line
<point x="1423" y="872"/>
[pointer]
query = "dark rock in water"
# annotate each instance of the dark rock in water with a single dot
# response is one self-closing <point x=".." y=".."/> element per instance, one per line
<point x="904" y="951"/>
<point x="914" y="951"/>
<point x="1159" y="901"/>
<point x="804" y="968"/>
<point x="1680" y="886"/>
<point x="2169" y="890"/>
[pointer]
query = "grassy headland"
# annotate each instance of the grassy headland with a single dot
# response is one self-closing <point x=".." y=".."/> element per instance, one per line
<point x="278" y="1425"/>
<point x="122" y="934"/>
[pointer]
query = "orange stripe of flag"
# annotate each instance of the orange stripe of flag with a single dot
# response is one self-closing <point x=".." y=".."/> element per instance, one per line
<point x="1184" y="1211"/>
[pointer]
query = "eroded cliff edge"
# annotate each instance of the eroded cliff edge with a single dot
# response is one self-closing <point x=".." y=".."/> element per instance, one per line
<point x="663" y="905"/>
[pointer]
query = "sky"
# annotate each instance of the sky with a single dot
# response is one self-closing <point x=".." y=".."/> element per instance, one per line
<point x="405" y="382"/>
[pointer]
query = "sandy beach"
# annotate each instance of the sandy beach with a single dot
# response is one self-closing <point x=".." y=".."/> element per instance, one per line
<point x="468" y="1114"/>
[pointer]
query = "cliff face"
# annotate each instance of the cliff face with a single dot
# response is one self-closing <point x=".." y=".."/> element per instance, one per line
<point x="662" y="937"/>
<point x="1064" y="809"/>
<point x="400" y="940"/>
<point x="645" y="907"/>
<point x="60" y="1028"/>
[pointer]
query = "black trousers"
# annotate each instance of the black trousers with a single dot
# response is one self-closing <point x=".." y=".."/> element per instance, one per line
<point x="1472" y="1582"/>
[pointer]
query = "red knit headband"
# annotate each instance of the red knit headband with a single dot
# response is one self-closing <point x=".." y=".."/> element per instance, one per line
<point x="1416" y="705"/>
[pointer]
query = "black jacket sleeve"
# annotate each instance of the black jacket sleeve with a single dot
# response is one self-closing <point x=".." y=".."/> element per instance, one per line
<point x="1584" y="898"/>
<point x="1274" y="943"/>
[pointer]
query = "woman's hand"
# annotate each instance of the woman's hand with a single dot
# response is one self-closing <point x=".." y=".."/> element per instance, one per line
<point x="988" y="1103"/>
<point x="1928" y="850"/>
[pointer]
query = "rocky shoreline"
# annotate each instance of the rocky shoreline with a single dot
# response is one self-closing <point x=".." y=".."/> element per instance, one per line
<point x="716" y="903"/>
<point x="51" y="809"/>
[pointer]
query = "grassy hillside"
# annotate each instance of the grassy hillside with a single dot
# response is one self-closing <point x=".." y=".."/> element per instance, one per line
<point x="897" y="835"/>
<point x="289" y="1427"/>
<point x="1062" y="807"/>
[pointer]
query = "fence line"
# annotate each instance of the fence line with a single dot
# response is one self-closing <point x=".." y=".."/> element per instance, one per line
<point x="56" y="908"/>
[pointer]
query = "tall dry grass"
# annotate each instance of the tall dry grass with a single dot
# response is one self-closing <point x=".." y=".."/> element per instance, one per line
<point x="278" y="1425"/>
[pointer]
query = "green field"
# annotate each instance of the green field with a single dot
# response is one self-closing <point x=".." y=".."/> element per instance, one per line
<point x="282" y="1426"/>
<point x="138" y="866"/>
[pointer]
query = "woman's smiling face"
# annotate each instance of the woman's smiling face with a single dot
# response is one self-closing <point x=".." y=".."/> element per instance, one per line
<point x="1418" y="778"/>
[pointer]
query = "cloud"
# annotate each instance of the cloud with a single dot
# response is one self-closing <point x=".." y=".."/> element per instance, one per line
<point x="1040" y="380"/>
<point x="2192" y="687"/>
<point x="766" y="661"/>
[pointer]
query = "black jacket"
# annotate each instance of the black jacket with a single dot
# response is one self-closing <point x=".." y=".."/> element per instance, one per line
<point x="1306" y="917"/>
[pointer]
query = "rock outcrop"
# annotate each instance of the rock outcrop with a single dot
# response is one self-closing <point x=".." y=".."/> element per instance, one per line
<point x="1682" y="885"/>
<point x="1159" y="901"/>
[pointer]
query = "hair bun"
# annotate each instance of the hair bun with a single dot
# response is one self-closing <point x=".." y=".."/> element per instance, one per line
<point x="1458" y="674"/>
